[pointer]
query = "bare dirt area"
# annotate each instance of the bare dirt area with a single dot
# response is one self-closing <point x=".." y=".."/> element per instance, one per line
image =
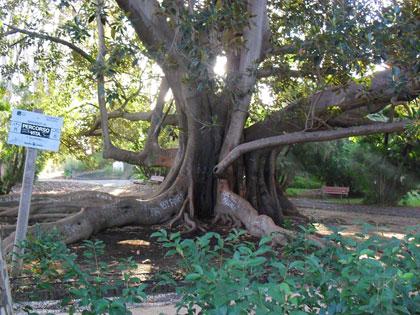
<point x="112" y="186"/>
<point x="385" y="221"/>
<point x="135" y="241"/>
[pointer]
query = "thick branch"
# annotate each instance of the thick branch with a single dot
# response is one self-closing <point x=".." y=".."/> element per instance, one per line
<point x="336" y="106"/>
<point x="152" y="154"/>
<point x="151" y="27"/>
<point x="279" y="72"/>
<point x="57" y="40"/>
<point x="303" y="137"/>
<point x="251" y="55"/>
<point x="171" y="119"/>
<point x="289" y="49"/>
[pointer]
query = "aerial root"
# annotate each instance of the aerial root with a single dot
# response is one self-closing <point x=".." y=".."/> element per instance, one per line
<point x="191" y="225"/>
<point x="227" y="219"/>
<point x="179" y="215"/>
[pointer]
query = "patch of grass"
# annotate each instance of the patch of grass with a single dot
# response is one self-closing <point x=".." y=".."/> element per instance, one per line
<point x="411" y="199"/>
<point x="295" y="192"/>
<point x="308" y="182"/>
<point x="345" y="201"/>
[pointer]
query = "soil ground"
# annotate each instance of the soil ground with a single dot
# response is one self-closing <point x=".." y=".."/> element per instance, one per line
<point x="135" y="241"/>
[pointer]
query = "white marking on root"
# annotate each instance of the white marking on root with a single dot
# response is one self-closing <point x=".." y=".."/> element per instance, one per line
<point x="171" y="201"/>
<point x="228" y="201"/>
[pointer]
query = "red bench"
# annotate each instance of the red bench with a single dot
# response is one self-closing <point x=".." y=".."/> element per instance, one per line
<point x="334" y="190"/>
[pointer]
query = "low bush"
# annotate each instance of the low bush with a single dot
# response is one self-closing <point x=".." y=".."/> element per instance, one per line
<point x="232" y="276"/>
<point x="86" y="285"/>
<point x="306" y="182"/>
<point x="411" y="199"/>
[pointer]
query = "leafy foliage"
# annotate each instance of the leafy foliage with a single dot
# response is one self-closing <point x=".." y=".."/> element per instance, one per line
<point x="11" y="157"/>
<point x="381" y="173"/>
<point x="309" y="182"/>
<point x="49" y="262"/>
<point x="232" y="276"/>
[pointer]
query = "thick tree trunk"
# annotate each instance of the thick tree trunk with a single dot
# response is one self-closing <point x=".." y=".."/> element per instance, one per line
<point x="190" y="191"/>
<point x="212" y="128"/>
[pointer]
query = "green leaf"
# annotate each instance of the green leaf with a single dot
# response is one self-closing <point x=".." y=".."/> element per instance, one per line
<point x="256" y="261"/>
<point x="285" y="288"/>
<point x="407" y="276"/>
<point x="265" y="240"/>
<point x="192" y="276"/>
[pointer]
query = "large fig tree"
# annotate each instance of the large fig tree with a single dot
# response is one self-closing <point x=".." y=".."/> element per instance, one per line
<point x="316" y="57"/>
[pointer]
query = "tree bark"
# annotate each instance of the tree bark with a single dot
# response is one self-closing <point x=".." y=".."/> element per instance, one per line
<point x="212" y="123"/>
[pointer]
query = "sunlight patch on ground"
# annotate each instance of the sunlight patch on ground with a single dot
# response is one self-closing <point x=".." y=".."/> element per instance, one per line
<point x="351" y="230"/>
<point x="322" y="229"/>
<point x="400" y="236"/>
<point x="142" y="269"/>
<point x="134" y="242"/>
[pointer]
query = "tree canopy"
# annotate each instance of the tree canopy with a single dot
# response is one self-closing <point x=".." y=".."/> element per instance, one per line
<point x="333" y="69"/>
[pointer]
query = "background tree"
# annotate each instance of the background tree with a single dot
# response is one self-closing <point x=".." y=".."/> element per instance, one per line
<point x="11" y="159"/>
<point x="224" y="166"/>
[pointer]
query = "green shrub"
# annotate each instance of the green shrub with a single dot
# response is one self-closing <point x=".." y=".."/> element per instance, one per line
<point x="411" y="199"/>
<point x="12" y="158"/>
<point x="145" y="172"/>
<point x="48" y="261"/>
<point x="294" y="192"/>
<point x="12" y="161"/>
<point x="306" y="182"/>
<point x="230" y="276"/>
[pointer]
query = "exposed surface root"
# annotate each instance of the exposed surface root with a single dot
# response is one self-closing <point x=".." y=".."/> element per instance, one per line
<point x="257" y="225"/>
<point x="103" y="210"/>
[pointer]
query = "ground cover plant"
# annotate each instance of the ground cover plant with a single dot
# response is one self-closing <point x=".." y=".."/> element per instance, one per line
<point x="233" y="274"/>
<point x="331" y="69"/>
<point x="369" y="275"/>
<point x="87" y="287"/>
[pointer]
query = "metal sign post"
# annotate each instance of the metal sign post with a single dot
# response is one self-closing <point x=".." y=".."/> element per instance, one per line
<point x="33" y="131"/>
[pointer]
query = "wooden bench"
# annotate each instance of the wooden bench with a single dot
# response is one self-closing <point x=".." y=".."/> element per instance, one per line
<point x="335" y="190"/>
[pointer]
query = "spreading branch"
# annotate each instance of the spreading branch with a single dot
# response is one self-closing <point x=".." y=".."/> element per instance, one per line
<point x="152" y="154"/>
<point x="337" y="106"/>
<point x="54" y="39"/>
<point x="250" y="56"/>
<point x="135" y="116"/>
<point x="151" y="27"/>
<point x="289" y="49"/>
<point x="279" y="72"/>
<point x="304" y="137"/>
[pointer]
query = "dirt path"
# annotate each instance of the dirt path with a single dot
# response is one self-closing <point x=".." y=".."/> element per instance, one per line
<point x="389" y="220"/>
<point x="112" y="186"/>
<point x="384" y="221"/>
<point x="308" y="203"/>
<point x="150" y="257"/>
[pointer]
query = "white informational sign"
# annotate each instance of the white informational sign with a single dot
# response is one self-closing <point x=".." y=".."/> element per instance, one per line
<point x="34" y="130"/>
